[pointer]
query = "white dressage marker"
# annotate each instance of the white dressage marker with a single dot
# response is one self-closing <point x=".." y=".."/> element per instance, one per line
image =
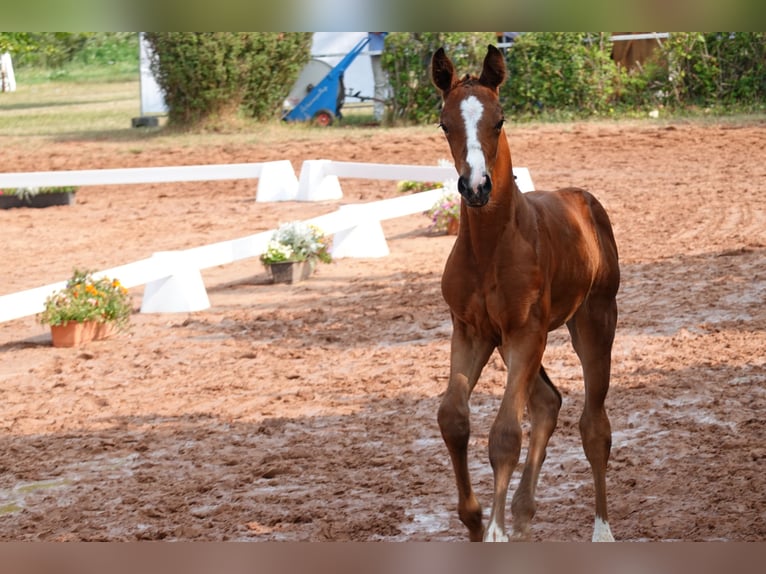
<point x="277" y="182"/>
<point x="181" y="291"/>
<point x="364" y="239"/>
<point x="316" y="184"/>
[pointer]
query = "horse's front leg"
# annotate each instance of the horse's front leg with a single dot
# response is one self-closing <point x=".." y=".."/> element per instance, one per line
<point x="543" y="410"/>
<point x="523" y="357"/>
<point x="468" y="356"/>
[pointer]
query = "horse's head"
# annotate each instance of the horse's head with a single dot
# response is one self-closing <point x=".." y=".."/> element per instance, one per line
<point x="472" y="119"/>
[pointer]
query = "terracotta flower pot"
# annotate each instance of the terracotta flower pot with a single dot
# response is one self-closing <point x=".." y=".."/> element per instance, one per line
<point x="74" y="334"/>
<point x="453" y="226"/>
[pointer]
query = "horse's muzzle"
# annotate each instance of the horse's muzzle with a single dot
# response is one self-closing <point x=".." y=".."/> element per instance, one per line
<point x="475" y="197"/>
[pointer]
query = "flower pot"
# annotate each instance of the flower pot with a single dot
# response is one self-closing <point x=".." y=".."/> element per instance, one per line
<point x="37" y="200"/>
<point x="291" y="271"/>
<point x="452" y="226"/>
<point x="74" y="334"/>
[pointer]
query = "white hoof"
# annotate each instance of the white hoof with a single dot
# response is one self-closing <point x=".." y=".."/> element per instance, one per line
<point x="495" y="533"/>
<point x="601" y="531"/>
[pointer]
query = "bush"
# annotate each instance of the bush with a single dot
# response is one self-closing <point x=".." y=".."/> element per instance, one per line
<point x="43" y="49"/>
<point x="217" y="74"/>
<point x="572" y="75"/>
<point x="559" y="71"/>
<point x="407" y="60"/>
<point x="716" y="68"/>
<point x="108" y="49"/>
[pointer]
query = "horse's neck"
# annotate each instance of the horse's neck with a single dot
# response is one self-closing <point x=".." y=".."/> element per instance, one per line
<point x="486" y="225"/>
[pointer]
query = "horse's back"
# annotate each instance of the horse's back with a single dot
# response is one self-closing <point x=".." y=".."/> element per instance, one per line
<point x="576" y="224"/>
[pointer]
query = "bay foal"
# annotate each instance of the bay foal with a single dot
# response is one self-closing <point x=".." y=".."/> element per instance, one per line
<point x="521" y="266"/>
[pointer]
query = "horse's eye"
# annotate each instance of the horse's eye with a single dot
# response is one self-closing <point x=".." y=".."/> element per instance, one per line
<point x="444" y="128"/>
<point x="499" y="125"/>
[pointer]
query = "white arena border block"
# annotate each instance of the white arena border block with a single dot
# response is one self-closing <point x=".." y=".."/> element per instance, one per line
<point x="276" y="179"/>
<point x="181" y="291"/>
<point x="319" y="179"/>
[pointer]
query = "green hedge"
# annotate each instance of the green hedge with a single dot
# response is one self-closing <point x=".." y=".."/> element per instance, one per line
<point x="715" y="69"/>
<point x="571" y="74"/>
<point x="212" y="75"/>
<point x="565" y="72"/>
<point x="407" y="58"/>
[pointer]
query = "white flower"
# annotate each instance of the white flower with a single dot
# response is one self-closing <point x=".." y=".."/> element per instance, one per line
<point x="296" y="241"/>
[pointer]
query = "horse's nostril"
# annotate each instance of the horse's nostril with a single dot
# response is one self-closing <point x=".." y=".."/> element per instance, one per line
<point x="462" y="185"/>
<point x="487" y="184"/>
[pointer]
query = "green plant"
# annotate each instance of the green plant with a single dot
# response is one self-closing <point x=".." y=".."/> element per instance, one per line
<point x="87" y="298"/>
<point x="407" y="61"/>
<point x="415" y="186"/>
<point x="207" y="76"/>
<point x="297" y="241"/>
<point x="24" y="193"/>
<point x="563" y="71"/>
<point x="444" y="211"/>
<point x="51" y="49"/>
<point x="407" y="186"/>
<point x="715" y="68"/>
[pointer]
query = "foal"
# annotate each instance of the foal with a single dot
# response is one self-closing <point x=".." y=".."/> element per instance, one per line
<point x="521" y="266"/>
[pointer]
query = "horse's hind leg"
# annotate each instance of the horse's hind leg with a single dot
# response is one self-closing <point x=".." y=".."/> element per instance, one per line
<point x="544" y="405"/>
<point x="592" y="330"/>
<point x="467" y="359"/>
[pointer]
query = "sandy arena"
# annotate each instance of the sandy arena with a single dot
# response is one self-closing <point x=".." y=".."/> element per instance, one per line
<point x="308" y="412"/>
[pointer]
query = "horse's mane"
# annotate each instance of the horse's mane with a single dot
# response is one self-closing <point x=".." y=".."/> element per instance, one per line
<point x="469" y="80"/>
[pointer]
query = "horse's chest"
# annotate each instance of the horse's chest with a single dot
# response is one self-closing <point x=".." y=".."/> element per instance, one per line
<point x="491" y="305"/>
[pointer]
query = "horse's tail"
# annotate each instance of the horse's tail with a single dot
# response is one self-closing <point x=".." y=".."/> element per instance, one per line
<point x="544" y="376"/>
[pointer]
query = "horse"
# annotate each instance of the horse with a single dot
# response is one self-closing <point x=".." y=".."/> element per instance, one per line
<point x="522" y="265"/>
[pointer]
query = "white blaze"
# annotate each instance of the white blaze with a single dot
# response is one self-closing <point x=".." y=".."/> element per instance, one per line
<point x="472" y="110"/>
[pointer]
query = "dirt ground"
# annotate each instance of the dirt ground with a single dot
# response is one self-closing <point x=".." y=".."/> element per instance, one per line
<point x="308" y="412"/>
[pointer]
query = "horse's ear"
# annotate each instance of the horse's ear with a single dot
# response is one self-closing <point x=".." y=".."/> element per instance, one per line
<point x="493" y="72"/>
<point x="442" y="71"/>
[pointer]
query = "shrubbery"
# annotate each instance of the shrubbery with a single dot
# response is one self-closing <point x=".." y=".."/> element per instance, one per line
<point x="213" y="74"/>
<point x="561" y="71"/>
<point x="571" y="74"/>
<point x="407" y="59"/>
<point x="715" y="69"/>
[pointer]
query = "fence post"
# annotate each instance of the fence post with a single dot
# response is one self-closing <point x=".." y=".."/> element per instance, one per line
<point x="277" y="182"/>
<point x="315" y="184"/>
<point x="181" y="291"/>
<point x="364" y="239"/>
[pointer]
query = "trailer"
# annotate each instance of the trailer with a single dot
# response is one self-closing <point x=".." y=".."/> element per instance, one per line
<point x="321" y="102"/>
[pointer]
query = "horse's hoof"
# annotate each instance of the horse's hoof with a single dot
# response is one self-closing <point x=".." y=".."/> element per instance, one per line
<point x="602" y="532"/>
<point x="495" y="534"/>
<point x="520" y="535"/>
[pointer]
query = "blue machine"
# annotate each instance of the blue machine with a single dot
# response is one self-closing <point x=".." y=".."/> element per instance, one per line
<point x="323" y="102"/>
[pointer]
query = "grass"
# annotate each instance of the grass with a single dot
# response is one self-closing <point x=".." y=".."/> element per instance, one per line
<point x="61" y="110"/>
<point x="58" y="108"/>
